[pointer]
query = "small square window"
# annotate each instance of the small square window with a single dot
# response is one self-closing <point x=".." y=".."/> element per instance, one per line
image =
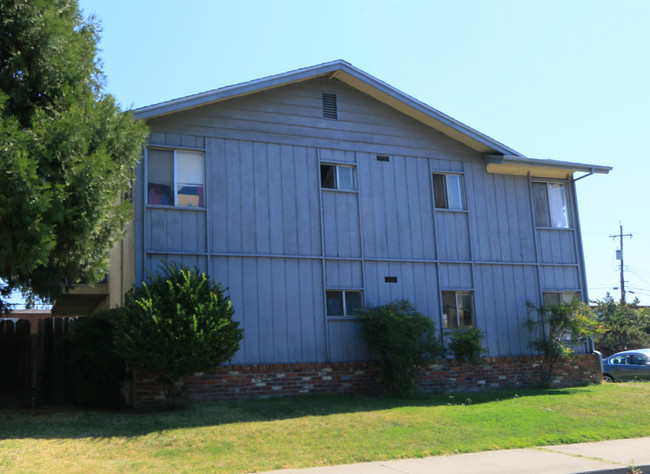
<point x="555" y="298"/>
<point x="457" y="309"/>
<point x="448" y="191"/>
<point x="550" y="205"/>
<point x="343" y="302"/>
<point x="175" y="178"/>
<point x="338" y="177"/>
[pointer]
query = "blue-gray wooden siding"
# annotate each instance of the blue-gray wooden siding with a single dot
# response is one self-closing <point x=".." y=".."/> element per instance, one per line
<point x="278" y="241"/>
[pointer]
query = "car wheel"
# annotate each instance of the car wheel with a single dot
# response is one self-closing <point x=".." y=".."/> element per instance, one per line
<point x="608" y="378"/>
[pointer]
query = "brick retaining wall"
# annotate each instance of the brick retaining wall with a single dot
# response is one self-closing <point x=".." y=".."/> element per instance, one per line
<point x="230" y="382"/>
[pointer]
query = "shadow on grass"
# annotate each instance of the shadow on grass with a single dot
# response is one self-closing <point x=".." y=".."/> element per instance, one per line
<point x="74" y="423"/>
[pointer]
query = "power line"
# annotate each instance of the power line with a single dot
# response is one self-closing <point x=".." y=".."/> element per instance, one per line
<point x="636" y="224"/>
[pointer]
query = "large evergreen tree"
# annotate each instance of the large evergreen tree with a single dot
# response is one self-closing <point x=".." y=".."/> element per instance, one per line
<point x="625" y="325"/>
<point x="67" y="152"/>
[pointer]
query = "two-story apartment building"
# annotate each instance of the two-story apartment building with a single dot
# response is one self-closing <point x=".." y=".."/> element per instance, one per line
<point x="312" y="193"/>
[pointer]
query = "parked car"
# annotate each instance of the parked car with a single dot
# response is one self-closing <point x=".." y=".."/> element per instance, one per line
<point x="627" y="365"/>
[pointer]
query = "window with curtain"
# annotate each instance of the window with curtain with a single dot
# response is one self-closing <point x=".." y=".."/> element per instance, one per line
<point x="550" y="205"/>
<point x="175" y="178"/>
<point x="457" y="309"/>
<point x="448" y="191"/>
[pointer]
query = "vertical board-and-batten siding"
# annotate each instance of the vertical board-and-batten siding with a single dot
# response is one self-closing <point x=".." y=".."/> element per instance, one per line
<point x="278" y="240"/>
<point x="279" y="304"/>
<point x="396" y="208"/>
<point x="254" y="199"/>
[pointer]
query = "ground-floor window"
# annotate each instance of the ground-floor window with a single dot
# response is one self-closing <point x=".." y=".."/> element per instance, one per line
<point x="555" y="298"/>
<point x="457" y="309"/>
<point x="344" y="302"/>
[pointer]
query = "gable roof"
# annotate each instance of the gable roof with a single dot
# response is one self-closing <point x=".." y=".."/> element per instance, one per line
<point x="382" y="92"/>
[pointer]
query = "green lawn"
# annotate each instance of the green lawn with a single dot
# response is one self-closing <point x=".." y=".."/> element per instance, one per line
<point x="319" y="430"/>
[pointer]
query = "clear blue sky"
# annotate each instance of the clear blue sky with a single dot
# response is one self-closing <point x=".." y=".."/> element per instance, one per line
<point x="563" y="80"/>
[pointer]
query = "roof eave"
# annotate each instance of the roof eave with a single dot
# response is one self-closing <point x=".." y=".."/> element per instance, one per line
<point x="517" y="165"/>
<point x="236" y="90"/>
<point x="422" y="112"/>
<point x="355" y="78"/>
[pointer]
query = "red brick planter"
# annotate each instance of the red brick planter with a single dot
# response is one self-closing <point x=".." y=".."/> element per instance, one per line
<point x="230" y="382"/>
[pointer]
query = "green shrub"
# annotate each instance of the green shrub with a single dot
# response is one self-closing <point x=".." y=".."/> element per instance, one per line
<point x="556" y="329"/>
<point x="465" y="345"/>
<point x="178" y="324"/>
<point x="403" y="339"/>
<point x="96" y="370"/>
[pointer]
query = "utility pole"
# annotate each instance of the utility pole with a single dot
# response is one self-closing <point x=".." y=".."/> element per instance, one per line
<point x="619" y="256"/>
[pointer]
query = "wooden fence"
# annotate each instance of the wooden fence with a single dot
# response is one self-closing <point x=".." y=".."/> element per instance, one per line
<point x="32" y="366"/>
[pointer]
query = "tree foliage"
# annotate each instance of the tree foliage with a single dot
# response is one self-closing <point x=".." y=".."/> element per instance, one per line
<point x="625" y="326"/>
<point x="177" y="324"/>
<point x="556" y="330"/>
<point x="403" y="339"/>
<point x="67" y="152"/>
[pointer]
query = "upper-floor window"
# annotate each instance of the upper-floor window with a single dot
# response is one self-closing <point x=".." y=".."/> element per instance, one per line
<point x="457" y="309"/>
<point x="175" y="177"/>
<point x="448" y="191"/>
<point x="550" y="205"/>
<point x="343" y="302"/>
<point x="338" y="177"/>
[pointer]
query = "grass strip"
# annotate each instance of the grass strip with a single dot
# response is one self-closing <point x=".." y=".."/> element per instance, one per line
<point x="310" y="431"/>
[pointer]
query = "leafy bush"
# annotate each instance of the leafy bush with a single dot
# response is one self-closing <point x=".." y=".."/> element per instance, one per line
<point x="178" y="324"/>
<point x="465" y="345"/>
<point x="403" y="339"/>
<point x="557" y="328"/>
<point x="97" y="371"/>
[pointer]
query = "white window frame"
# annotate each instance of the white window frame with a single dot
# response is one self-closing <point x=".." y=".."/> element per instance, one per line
<point x="447" y="191"/>
<point x="458" y="306"/>
<point x="344" y="302"/>
<point x="175" y="176"/>
<point x="564" y="297"/>
<point x="558" y="218"/>
<point x="337" y="177"/>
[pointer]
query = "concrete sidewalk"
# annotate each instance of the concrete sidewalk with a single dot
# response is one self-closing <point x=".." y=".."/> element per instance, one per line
<point x="615" y="456"/>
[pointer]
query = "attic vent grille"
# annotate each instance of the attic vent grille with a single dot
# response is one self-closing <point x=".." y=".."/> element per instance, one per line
<point x="329" y="106"/>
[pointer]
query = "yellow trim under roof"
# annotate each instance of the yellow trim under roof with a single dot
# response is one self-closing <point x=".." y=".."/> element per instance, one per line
<point x="520" y="166"/>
